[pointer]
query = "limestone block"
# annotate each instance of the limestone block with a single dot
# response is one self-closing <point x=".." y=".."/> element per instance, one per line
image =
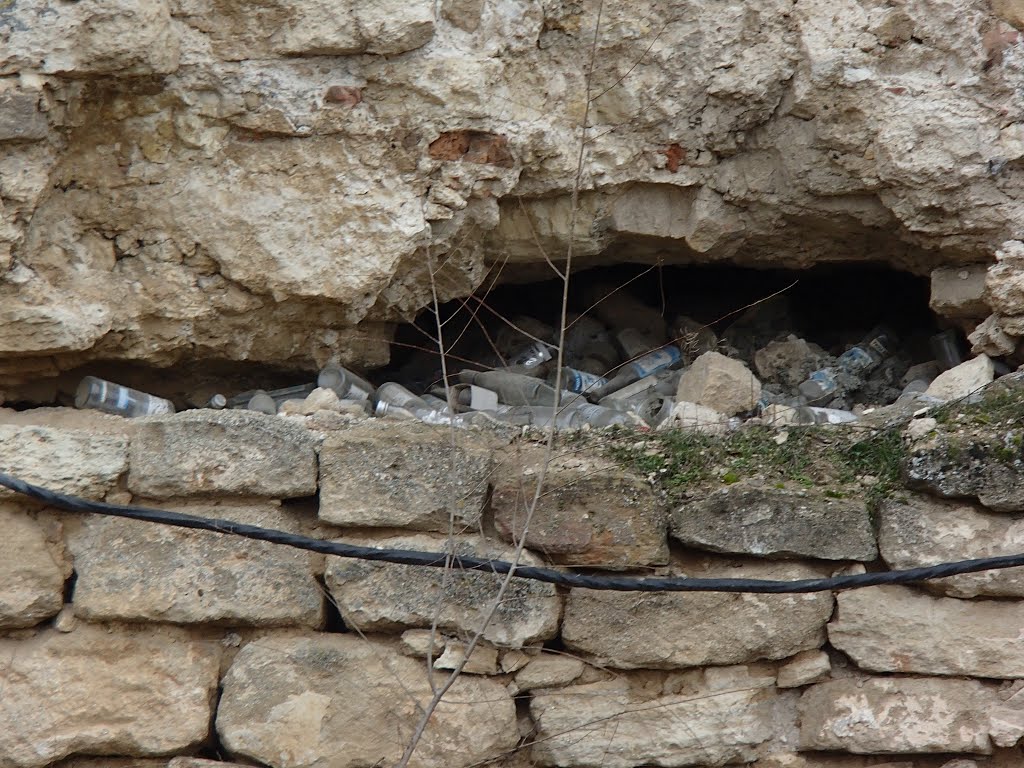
<point x="340" y="29"/>
<point x="483" y="660"/>
<point x="591" y="512"/>
<point x="348" y="701"/>
<point x="804" y="668"/>
<point x="963" y="379"/>
<point x="655" y="210"/>
<point x="959" y="292"/>
<point x="387" y="597"/>
<point x="135" y="571"/>
<point x="549" y="671"/>
<point x="221" y="452"/>
<point x="897" y="715"/>
<point x="750" y="518"/>
<point x="690" y="416"/>
<point x="984" y="465"/>
<point x="68" y="461"/>
<point x="788" y="362"/>
<point x="20" y="118"/>
<point x="897" y="629"/>
<point x="674" y="629"/>
<point x="608" y="725"/>
<point x="404" y="475"/>
<point x="31" y="583"/>
<point x="917" y="531"/>
<point x="719" y="382"/>
<point x="104" y="691"/>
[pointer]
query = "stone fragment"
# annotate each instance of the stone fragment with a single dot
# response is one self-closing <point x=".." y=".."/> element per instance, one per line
<point x="240" y="453"/>
<point x="349" y="701"/>
<point x="31" y="582"/>
<point x="963" y="379"/>
<point x="123" y="691"/>
<point x="340" y="29"/>
<point x="420" y="642"/>
<point x="66" y="621"/>
<point x="917" y="531"/>
<point x="919" y="428"/>
<point x="386" y="597"/>
<point x="690" y="416"/>
<point x="20" y="118"/>
<point x="897" y="715"/>
<point x="63" y="460"/>
<point x="134" y="571"/>
<point x="750" y="518"/>
<point x="959" y="292"/>
<point x="198" y="762"/>
<point x="673" y="629"/>
<point x="549" y="671"/>
<point x="320" y="399"/>
<point x="719" y="382"/>
<point x="591" y="512"/>
<point x="400" y="474"/>
<point x="483" y="660"/>
<point x="897" y="629"/>
<point x="804" y="668"/>
<point x="653" y="210"/>
<point x="514" y="660"/>
<point x="609" y="725"/>
<point x="991" y="338"/>
<point x="788" y="362"/>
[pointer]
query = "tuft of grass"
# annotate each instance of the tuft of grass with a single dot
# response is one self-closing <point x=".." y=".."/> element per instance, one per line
<point x="828" y="458"/>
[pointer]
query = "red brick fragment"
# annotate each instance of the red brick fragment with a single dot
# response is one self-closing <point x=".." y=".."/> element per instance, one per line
<point x="346" y="95"/>
<point x="674" y="155"/>
<point x="478" y="147"/>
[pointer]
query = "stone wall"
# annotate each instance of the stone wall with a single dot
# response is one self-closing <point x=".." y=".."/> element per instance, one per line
<point x="216" y="180"/>
<point x="128" y="644"/>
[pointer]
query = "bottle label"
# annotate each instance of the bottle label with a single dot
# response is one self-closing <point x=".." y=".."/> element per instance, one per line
<point x="856" y="359"/>
<point x="656" y="361"/>
<point x="582" y="381"/>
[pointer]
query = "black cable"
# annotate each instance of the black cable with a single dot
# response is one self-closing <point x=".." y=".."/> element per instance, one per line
<point x="534" y="573"/>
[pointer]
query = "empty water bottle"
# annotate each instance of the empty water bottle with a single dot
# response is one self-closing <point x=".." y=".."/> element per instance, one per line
<point x="345" y="384"/>
<point x="217" y="402"/>
<point x="825" y="384"/>
<point x="651" y="363"/>
<point x="262" y="402"/>
<point x="108" y="397"/>
<point x="395" y="394"/>
<point x="581" y="382"/>
<point x="528" y="359"/>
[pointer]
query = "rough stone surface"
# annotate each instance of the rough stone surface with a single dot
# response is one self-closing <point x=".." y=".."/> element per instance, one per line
<point x="719" y="382"/>
<point x="690" y="416"/>
<point x="608" y="724"/>
<point x="383" y="596"/>
<point x="347" y="701"/>
<point x="917" y="531"/>
<point x="592" y="512"/>
<point x="134" y="571"/>
<point x="483" y="660"/>
<point x="397" y="474"/>
<point x="222" y="452"/>
<point x="963" y="379"/>
<point x="126" y="691"/>
<point x="788" y="362"/>
<point x="750" y="518"/>
<point x="31" y="582"/>
<point x="898" y="715"/>
<point x="547" y="671"/>
<point x="63" y="460"/>
<point x="665" y="630"/>
<point x="156" y="113"/>
<point x="804" y="668"/>
<point x="986" y="464"/>
<point x="959" y="292"/>
<point x="897" y="629"/>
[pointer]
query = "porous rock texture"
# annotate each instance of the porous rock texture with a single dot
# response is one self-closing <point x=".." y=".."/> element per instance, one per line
<point x="183" y="178"/>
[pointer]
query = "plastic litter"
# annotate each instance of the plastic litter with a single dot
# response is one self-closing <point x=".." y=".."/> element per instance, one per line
<point x="108" y="397"/>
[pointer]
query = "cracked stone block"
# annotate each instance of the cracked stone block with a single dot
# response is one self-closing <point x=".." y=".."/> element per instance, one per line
<point x="31" y="582"/>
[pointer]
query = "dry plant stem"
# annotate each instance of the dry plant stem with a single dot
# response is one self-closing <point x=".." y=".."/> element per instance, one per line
<point x="549" y="445"/>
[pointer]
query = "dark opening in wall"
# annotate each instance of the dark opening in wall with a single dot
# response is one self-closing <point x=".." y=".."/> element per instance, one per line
<point x="832" y="305"/>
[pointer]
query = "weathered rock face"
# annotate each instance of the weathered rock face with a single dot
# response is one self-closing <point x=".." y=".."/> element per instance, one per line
<point x="282" y="192"/>
<point x="142" y="692"/>
<point x="384" y="596"/>
<point x="31" y="582"/>
<point x="673" y="629"/>
<point x="592" y="512"/>
<point x="897" y="629"/>
<point x="345" y="701"/>
<point x="748" y="518"/>
<point x="131" y="571"/>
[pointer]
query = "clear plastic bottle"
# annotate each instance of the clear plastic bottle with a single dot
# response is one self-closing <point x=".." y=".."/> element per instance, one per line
<point x="217" y="402"/>
<point x="515" y="388"/>
<point x="105" y="396"/>
<point x="825" y="384"/>
<point x="262" y="402"/>
<point x="581" y="382"/>
<point x="658" y="360"/>
<point x="528" y="359"/>
<point x="395" y="394"/>
<point x="346" y="385"/>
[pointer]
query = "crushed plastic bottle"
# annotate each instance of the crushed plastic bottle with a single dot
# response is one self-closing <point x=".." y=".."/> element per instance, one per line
<point x="395" y="394"/>
<point x="515" y="388"/>
<point x="581" y="382"/>
<point x="528" y="359"/>
<point x="649" y="364"/>
<point x="825" y="384"/>
<point x="101" y="395"/>
<point x="346" y="385"/>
